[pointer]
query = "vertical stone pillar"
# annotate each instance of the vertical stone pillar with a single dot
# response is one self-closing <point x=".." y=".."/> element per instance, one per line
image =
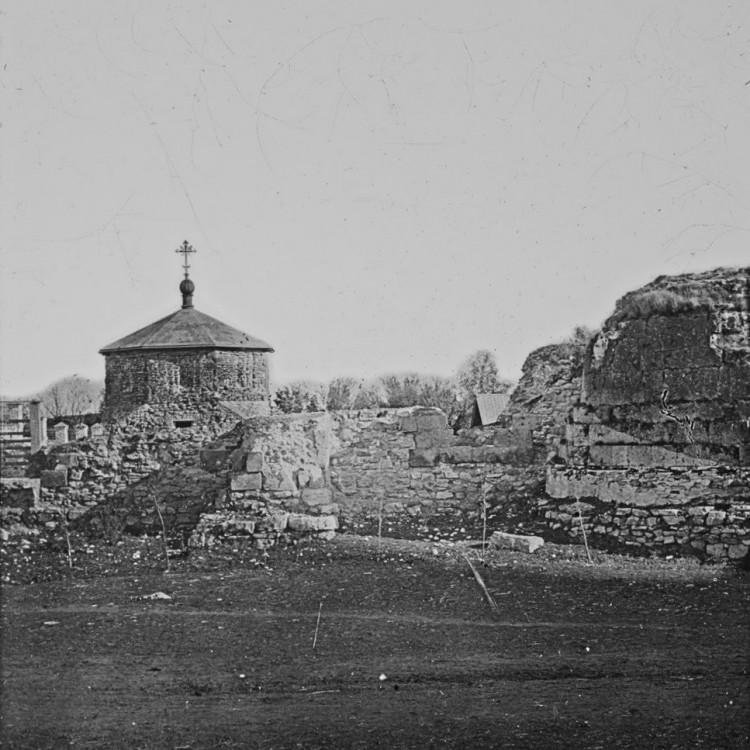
<point x="37" y="426"/>
<point x="61" y="433"/>
<point x="81" y="431"/>
<point x="96" y="431"/>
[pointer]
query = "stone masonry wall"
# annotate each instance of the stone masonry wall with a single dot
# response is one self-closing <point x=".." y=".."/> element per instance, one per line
<point x="659" y="447"/>
<point x="110" y="481"/>
<point x="355" y="466"/>
<point x="410" y="463"/>
<point x="550" y="386"/>
<point x="154" y="377"/>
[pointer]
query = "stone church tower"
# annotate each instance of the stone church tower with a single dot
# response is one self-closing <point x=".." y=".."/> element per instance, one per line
<point x="189" y="360"/>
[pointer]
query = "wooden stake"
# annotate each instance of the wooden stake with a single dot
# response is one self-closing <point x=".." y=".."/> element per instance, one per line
<point x="492" y="602"/>
<point x="583" y="531"/>
<point x="163" y="531"/>
<point x="64" y="514"/>
<point x="484" y="513"/>
<point x="380" y="526"/>
<point x="317" y="625"/>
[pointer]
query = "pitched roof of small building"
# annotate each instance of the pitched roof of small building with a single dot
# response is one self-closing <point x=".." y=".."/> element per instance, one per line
<point x="489" y="406"/>
<point x="187" y="329"/>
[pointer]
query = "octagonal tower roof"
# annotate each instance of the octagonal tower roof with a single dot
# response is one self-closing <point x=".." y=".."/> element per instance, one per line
<point x="186" y="329"/>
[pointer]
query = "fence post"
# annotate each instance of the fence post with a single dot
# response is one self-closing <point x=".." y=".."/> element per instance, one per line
<point x="37" y="427"/>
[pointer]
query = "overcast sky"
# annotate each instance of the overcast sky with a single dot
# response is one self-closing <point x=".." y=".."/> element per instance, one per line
<point x="371" y="186"/>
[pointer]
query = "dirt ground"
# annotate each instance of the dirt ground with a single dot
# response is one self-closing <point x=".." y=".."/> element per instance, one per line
<point x="361" y="644"/>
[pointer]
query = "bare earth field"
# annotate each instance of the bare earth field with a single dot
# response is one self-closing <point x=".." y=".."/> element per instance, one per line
<point x="623" y="653"/>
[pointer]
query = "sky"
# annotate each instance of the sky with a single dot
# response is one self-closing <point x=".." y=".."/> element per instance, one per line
<point x="371" y="187"/>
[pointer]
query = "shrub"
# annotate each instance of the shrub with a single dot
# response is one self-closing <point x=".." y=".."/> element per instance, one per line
<point x="300" y="396"/>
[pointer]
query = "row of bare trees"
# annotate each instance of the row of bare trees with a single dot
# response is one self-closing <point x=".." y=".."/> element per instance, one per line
<point x="453" y="395"/>
<point x="73" y="396"/>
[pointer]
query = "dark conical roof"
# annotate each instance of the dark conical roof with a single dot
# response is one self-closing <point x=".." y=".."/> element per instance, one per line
<point x="187" y="329"/>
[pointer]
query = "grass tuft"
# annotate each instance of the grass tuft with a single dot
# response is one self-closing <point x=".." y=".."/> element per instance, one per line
<point x="657" y="302"/>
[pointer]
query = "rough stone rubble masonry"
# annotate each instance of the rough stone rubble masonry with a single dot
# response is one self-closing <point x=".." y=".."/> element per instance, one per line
<point x="656" y="453"/>
<point x="642" y="440"/>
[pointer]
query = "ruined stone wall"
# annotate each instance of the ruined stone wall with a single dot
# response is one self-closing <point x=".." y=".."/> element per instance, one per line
<point x="658" y="448"/>
<point x="550" y="386"/>
<point x="110" y="480"/>
<point x="135" y="378"/>
<point x="357" y="465"/>
<point x="411" y="463"/>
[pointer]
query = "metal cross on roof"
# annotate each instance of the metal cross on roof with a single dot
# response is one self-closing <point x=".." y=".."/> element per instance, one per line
<point x="186" y="249"/>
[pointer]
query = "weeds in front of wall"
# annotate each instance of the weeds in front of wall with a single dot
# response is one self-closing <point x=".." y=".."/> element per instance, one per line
<point x="112" y="523"/>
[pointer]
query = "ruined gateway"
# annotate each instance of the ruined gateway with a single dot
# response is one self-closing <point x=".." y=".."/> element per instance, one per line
<point x="640" y="438"/>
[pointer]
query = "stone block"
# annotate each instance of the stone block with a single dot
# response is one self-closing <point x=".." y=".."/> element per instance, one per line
<point x="19" y="492"/>
<point x="61" y="432"/>
<point x="300" y="522"/>
<point x="423" y="458"/>
<point x="715" y="517"/>
<point x="278" y="521"/>
<point x="316" y="477"/>
<point x="81" y="432"/>
<point x="213" y="459"/>
<point x="715" y="550"/>
<point x="321" y="496"/>
<point x="254" y="461"/>
<point x="97" y="431"/>
<point x="408" y="424"/>
<point x="278" y="478"/>
<point x="54" y="478"/>
<point x="243" y="482"/>
<point x="237" y="460"/>
<point x="426" y="439"/>
<point x="67" y="459"/>
<point x="459" y="454"/>
<point x="431" y="420"/>
<point x="241" y="525"/>
<point x="515" y="542"/>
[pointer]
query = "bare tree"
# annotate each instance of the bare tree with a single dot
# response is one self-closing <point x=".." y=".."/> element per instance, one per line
<point x="478" y="374"/>
<point x="71" y="396"/>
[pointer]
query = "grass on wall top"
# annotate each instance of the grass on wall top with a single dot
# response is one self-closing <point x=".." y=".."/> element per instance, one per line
<point x="657" y="302"/>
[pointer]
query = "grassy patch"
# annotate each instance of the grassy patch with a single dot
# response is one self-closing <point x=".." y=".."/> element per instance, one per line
<point x="657" y="302"/>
